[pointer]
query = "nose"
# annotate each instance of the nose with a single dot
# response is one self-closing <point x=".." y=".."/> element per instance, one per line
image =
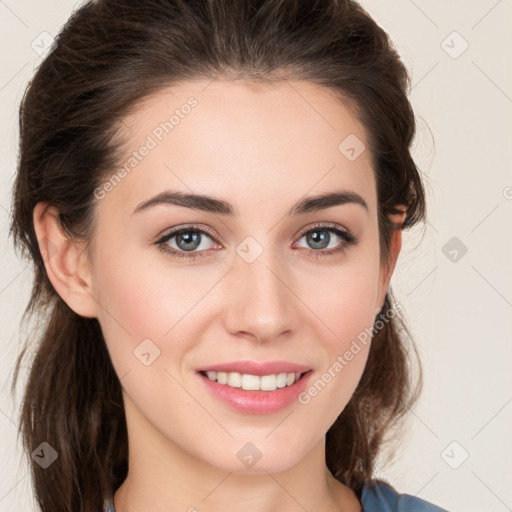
<point x="261" y="303"/>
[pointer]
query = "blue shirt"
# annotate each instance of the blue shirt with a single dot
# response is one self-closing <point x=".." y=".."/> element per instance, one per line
<point x="381" y="497"/>
<point x="377" y="496"/>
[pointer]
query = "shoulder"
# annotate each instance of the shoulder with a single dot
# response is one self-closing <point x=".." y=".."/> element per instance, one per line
<point x="378" y="496"/>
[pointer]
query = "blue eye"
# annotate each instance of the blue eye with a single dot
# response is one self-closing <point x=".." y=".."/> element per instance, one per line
<point x="192" y="242"/>
<point x="186" y="241"/>
<point x="320" y="238"/>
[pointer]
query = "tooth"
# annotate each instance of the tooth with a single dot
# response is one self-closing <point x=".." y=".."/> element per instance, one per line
<point x="235" y="379"/>
<point x="268" y="383"/>
<point x="250" y="382"/>
<point x="281" y="380"/>
<point x="254" y="382"/>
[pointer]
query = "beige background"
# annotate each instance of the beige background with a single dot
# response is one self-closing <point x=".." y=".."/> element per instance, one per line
<point x="459" y="305"/>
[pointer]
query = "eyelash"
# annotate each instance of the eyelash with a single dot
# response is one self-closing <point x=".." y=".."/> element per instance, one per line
<point x="349" y="240"/>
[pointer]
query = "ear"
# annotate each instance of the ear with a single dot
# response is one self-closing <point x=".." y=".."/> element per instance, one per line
<point x="66" y="261"/>
<point x="395" y="244"/>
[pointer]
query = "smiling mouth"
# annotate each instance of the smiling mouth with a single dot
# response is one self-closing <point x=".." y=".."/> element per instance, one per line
<point x="250" y="382"/>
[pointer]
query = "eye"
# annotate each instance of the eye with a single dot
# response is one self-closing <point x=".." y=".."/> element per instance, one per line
<point x="187" y="242"/>
<point x="324" y="236"/>
<point x="192" y="242"/>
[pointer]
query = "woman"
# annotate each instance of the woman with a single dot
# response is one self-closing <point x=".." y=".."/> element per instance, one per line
<point x="213" y="194"/>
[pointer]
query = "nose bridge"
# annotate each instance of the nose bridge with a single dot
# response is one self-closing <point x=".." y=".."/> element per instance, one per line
<point x="260" y="301"/>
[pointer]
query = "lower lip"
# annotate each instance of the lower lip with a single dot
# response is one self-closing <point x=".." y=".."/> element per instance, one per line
<point x="257" y="402"/>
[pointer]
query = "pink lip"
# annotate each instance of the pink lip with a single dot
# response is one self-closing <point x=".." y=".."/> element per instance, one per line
<point x="257" y="402"/>
<point x="255" y="368"/>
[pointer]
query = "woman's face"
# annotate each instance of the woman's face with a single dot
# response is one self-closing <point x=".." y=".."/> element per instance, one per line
<point x="260" y="272"/>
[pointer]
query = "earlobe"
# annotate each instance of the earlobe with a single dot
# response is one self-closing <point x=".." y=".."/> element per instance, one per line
<point x="65" y="260"/>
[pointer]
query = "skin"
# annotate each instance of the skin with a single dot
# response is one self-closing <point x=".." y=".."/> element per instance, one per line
<point x="262" y="148"/>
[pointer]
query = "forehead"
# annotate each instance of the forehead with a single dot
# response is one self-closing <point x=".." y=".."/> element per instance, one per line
<point x="243" y="138"/>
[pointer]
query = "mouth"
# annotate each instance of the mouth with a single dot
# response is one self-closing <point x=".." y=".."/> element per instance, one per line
<point x="249" y="382"/>
<point x="255" y="394"/>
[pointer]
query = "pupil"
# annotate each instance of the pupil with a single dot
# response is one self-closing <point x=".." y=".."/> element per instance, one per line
<point x="319" y="239"/>
<point x="191" y="240"/>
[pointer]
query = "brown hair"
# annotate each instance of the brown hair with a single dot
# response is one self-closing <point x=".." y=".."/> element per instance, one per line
<point x="108" y="57"/>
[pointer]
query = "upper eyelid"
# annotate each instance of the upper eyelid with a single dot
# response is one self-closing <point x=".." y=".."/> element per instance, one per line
<point x="328" y="226"/>
<point x="189" y="227"/>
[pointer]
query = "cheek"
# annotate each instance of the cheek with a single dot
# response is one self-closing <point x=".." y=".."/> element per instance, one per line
<point x="345" y="308"/>
<point x="344" y="299"/>
<point x="147" y="320"/>
<point x="144" y="301"/>
<point x="348" y="314"/>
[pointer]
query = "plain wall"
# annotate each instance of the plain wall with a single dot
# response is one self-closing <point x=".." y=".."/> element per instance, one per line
<point x="458" y="303"/>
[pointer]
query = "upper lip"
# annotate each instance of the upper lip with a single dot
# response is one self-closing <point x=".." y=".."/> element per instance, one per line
<point x="256" y="368"/>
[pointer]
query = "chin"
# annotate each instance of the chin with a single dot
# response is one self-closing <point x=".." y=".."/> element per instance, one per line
<point x="264" y="464"/>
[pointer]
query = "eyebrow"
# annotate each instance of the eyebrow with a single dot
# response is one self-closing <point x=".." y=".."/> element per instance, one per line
<point x="213" y="205"/>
